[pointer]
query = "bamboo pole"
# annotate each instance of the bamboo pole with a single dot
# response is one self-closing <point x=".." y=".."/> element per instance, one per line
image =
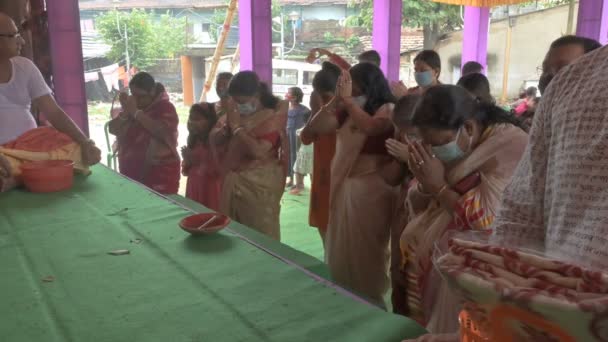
<point x="219" y="49"/>
<point x="570" y="28"/>
<point x="186" y="62"/>
<point x="505" y="73"/>
<point x="235" y="58"/>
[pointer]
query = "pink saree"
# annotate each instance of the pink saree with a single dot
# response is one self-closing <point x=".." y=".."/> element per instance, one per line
<point x="204" y="182"/>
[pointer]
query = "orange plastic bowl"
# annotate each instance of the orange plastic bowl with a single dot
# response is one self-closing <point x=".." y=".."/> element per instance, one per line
<point x="48" y="175"/>
<point x="192" y="223"/>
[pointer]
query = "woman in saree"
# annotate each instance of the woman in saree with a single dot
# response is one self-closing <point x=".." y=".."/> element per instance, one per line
<point x="146" y="136"/>
<point x="398" y="174"/>
<point x="356" y="245"/>
<point x="255" y="163"/>
<point x="324" y="89"/>
<point x="466" y="156"/>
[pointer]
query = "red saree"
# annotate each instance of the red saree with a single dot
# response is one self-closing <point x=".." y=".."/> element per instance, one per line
<point x="149" y="160"/>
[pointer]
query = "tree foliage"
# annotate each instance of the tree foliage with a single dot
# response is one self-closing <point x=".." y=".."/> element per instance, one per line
<point x="434" y="18"/>
<point x="149" y="37"/>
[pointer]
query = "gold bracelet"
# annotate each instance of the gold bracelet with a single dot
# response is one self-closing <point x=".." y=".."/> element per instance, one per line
<point x="237" y="130"/>
<point x="443" y="188"/>
<point x="421" y="191"/>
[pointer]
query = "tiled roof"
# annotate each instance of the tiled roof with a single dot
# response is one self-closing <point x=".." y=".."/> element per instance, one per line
<point x="109" y="4"/>
<point x="410" y="41"/>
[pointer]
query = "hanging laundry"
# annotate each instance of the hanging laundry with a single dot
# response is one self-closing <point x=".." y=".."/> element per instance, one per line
<point x="91" y="76"/>
<point x="111" y="76"/>
<point x="122" y="76"/>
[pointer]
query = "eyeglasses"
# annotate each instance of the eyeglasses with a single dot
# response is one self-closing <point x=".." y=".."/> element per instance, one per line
<point x="11" y="35"/>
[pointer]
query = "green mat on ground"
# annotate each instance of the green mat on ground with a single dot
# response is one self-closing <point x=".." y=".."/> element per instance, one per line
<point x="295" y="231"/>
<point x="59" y="284"/>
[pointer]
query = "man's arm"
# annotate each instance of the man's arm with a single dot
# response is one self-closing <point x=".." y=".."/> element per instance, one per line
<point x="59" y="119"/>
<point x="62" y="122"/>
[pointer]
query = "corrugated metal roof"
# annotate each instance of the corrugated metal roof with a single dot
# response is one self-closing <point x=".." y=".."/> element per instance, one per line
<point x="93" y="45"/>
<point x="123" y="4"/>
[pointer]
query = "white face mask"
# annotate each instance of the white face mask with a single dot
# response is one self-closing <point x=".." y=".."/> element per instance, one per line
<point x="246" y="109"/>
<point x="360" y="100"/>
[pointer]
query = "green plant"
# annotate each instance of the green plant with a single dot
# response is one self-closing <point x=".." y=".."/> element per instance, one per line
<point x="352" y="42"/>
<point x="328" y="37"/>
<point x="149" y="37"/>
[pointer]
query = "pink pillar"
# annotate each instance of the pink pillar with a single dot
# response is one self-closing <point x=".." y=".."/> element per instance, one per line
<point x="255" y="37"/>
<point x="387" y="36"/>
<point x="66" y="55"/>
<point x="476" y="31"/>
<point x="593" y="20"/>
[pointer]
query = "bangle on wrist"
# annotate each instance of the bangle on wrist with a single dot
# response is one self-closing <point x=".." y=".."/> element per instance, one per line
<point x="442" y="190"/>
<point x="421" y="190"/>
<point x="237" y="130"/>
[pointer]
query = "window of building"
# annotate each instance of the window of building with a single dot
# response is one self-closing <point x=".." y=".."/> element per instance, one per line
<point x="308" y="76"/>
<point x="285" y="76"/>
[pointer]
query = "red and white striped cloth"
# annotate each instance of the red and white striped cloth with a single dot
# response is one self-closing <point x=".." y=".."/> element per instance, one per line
<point x="568" y="296"/>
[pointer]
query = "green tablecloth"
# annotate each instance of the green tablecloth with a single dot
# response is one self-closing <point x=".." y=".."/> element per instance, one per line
<point x="57" y="282"/>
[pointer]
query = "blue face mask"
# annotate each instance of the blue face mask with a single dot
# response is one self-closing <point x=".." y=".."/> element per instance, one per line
<point x="246" y="108"/>
<point x="449" y="152"/>
<point x="424" y="79"/>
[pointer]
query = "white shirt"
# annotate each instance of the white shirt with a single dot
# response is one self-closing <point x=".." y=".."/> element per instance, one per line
<point x="26" y="84"/>
<point x="558" y="197"/>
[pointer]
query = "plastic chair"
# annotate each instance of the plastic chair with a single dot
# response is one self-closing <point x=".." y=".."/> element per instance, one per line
<point x="111" y="155"/>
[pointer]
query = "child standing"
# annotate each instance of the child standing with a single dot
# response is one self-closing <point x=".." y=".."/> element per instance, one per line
<point x="302" y="166"/>
<point x="204" y="181"/>
<point x="297" y="116"/>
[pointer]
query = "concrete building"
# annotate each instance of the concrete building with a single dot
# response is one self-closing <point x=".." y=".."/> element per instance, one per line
<point x="532" y="33"/>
